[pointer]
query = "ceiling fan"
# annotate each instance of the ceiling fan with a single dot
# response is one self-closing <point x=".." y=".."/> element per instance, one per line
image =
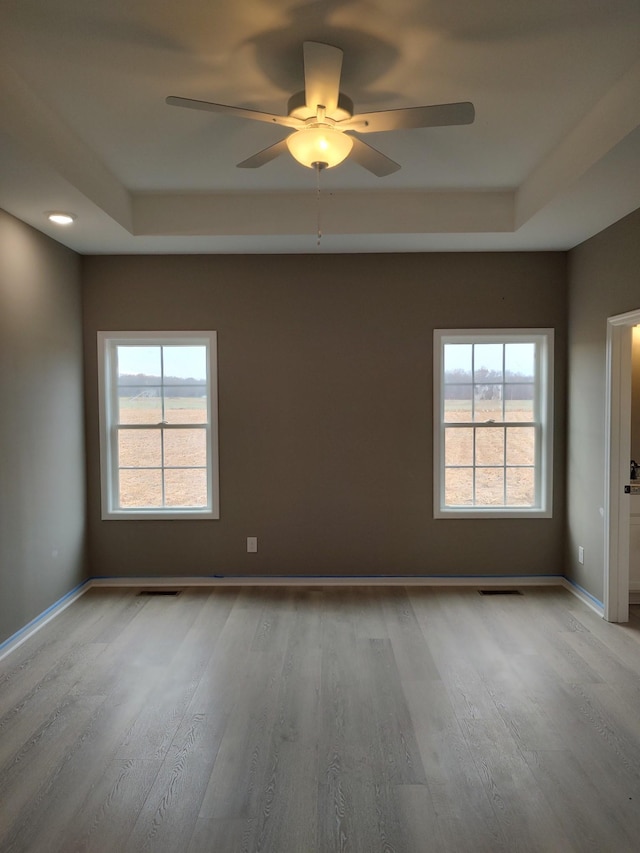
<point x="322" y="122"/>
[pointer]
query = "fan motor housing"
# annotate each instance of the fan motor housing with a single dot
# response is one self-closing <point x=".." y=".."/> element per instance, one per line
<point x="297" y="107"/>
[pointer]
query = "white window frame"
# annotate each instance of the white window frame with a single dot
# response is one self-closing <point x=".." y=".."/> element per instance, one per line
<point x="543" y="420"/>
<point x="108" y="414"/>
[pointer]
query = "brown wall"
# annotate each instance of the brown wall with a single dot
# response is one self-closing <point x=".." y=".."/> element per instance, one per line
<point x="325" y="391"/>
<point x="42" y="465"/>
<point x="604" y="280"/>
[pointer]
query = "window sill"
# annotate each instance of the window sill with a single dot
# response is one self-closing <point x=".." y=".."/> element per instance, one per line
<point x="163" y="515"/>
<point x="502" y="512"/>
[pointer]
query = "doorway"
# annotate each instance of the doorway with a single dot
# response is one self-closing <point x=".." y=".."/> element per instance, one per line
<point x="617" y="457"/>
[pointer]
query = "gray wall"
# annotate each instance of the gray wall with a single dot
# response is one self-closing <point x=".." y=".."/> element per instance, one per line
<point x="42" y="465"/>
<point x="325" y="378"/>
<point x="604" y="280"/>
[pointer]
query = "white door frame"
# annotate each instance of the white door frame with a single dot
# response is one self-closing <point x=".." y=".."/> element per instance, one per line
<point x="617" y="444"/>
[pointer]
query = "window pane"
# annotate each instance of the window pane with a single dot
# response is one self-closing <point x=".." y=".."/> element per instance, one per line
<point x="520" y="361"/>
<point x="185" y="447"/>
<point x="139" y="448"/>
<point x="138" y="361"/>
<point x="489" y="487"/>
<point x="141" y="488"/>
<point x="487" y="362"/>
<point x="186" y="410"/>
<point x="458" y="486"/>
<point x="139" y="405"/>
<point x="457" y="363"/>
<point x="184" y="362"/>
<point x="186" y="488"/>
<point x="457" y="403"/>
<point x="519" y="402"/>
<point x="521" y="444"/>
<point x="458" y="447"/>
<point x="488" y="403"/>
<point x="521" y="486"/>
<point x="490" y="446"/>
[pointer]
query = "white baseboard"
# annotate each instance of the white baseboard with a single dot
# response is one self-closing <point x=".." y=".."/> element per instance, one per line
<point x="584" y="596"/>
<point x="21" y="636"/>
<point x="471" y="581"/>
<point x="323" y="580"/>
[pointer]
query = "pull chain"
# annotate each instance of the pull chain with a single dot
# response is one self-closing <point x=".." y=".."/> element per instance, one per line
<point x="318" y="170"/>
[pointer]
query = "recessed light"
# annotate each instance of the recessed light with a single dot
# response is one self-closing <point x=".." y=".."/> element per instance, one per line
<point x="61" y="218"/>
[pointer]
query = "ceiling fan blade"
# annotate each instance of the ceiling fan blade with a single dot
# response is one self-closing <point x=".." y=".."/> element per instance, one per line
<point x="438" y="115"/>
<point x="239" y="112"/>
<point x="264" y="156"/>
<point x="372" y="159"/>
<point x="322" y="69"/>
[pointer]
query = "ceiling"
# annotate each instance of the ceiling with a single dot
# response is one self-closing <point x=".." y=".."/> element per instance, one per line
<point x="552" y="158"/>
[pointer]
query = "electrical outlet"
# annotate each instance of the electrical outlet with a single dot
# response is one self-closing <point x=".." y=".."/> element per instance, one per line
<point x="252" y="544"/>
<point x="580" y="554"/>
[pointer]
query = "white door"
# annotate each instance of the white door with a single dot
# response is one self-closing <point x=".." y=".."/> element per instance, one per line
<point x="617" y="457"/>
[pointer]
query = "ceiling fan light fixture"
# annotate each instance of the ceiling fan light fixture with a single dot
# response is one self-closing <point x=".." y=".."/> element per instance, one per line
<point x="319" y="145"/>
<point x="322" y="119"/>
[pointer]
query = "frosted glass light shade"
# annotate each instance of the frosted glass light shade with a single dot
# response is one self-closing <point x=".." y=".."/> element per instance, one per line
<point x="322" y="145"/>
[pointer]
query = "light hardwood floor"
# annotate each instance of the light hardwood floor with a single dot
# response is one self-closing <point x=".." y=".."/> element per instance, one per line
<point x="322" y="719"/>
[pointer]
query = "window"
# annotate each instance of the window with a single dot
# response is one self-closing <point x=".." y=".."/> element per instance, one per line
<point x="158" y="424"/>
<point x="493" y="423"/>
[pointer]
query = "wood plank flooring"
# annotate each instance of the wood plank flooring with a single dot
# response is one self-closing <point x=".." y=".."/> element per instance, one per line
<point x="314" y="720"/>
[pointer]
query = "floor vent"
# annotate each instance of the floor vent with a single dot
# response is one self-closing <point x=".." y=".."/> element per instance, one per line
<point x="160" y="592"/>
<point x="499" y="592"/>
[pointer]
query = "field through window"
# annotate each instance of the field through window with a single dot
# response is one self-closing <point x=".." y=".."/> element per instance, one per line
<point x="162" y="464"/>
<point x="490" y="462"/>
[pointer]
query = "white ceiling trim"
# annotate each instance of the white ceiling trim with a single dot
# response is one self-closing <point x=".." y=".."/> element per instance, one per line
<point x="605" y="126"/>
<point x="35" y="126"/>
<point x="272" y="214"/>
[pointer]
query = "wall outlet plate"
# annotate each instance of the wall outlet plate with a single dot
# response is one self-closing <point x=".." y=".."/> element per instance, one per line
<point x="252" y="544"/>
